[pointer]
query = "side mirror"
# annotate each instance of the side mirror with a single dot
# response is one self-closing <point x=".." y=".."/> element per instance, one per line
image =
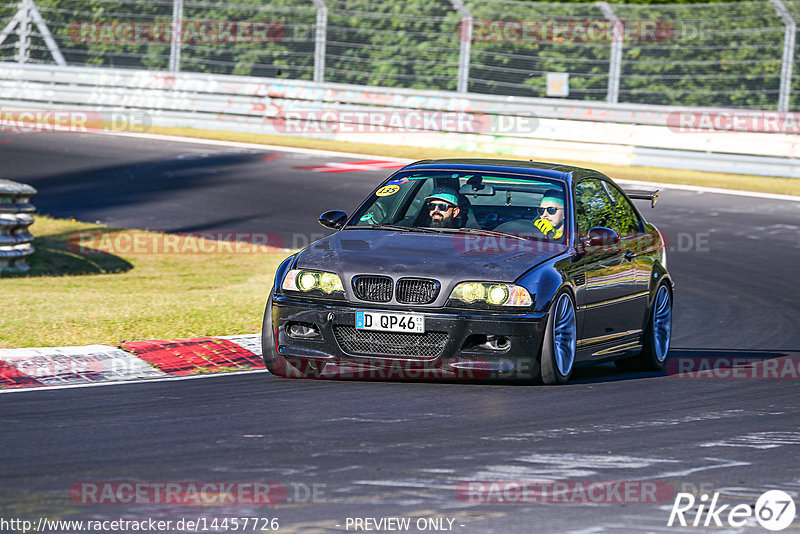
<point x="600" y="236"/>
<point x="334" y="219"/>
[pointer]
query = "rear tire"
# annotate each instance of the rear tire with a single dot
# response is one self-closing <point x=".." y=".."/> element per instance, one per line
<point x="557" y="358"/>
<point x="656" y="338"/>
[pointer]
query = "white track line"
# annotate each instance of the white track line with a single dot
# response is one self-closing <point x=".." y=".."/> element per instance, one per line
<point x="316" y="152"/>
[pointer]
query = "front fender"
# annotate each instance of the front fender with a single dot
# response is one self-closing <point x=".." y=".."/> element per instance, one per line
<point x="280" y="273"/>
<point x="544" y="282"/>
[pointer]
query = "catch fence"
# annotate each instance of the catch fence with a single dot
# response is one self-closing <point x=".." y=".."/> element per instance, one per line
<point x="733" y="55"/>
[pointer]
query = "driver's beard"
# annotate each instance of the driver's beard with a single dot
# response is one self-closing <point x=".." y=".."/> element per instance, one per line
<point x="440" y="223"/>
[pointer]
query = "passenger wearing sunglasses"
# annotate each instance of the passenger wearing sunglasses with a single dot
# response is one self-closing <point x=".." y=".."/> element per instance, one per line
<point x="551" y="215"/>
<point x="443" y="209"/>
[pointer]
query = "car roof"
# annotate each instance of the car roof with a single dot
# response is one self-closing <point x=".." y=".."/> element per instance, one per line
<point x="532" y="168"/>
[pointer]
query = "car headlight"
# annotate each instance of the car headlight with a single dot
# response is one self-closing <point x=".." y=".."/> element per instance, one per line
<point x="494" y="294"/>
<point x="306" y="281"/>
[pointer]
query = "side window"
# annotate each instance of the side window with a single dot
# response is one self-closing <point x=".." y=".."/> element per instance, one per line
<point x="628" y="222"/>
<point x="384" y="210"/>
<point x="417" y="206"/>
<point x="592" y="206"/>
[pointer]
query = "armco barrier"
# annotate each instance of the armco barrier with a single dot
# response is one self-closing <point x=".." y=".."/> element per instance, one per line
<point x="554" y="129"/>
<point x="16" y="215"/>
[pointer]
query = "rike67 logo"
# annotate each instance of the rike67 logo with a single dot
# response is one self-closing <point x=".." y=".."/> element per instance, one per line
<point x="774" y="510"/>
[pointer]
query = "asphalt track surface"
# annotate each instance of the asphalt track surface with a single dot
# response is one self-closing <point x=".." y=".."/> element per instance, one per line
<point x="401" y="449"/>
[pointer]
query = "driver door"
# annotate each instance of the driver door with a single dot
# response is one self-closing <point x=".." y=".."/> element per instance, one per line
<point x="610" y="276"/>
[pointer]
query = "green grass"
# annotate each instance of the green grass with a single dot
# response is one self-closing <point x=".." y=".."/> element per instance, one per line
<point x="743" y="182"/>
<point x="71" y="298"/>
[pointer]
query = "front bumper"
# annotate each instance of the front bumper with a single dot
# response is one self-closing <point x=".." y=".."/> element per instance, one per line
<point x="460" y="356"/>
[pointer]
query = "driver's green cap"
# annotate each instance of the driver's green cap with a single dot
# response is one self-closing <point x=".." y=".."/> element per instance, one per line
<point x="447" y="197"/>
<point x="445" y="194"/>
<point x="554" y="194"/>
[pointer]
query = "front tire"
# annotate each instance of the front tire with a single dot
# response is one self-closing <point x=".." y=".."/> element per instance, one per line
<point x="557" y="357"/>
<point x="275" y="363"/>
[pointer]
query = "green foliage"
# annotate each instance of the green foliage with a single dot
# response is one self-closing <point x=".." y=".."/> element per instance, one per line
<point x="712" y="54"/>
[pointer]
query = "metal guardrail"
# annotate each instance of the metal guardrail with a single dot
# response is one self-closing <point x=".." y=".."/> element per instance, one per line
<point x="267" y="98"/>
<point x="245" y="95"/>
<point x="16" y="215"/>
<point x="598" y="132"/>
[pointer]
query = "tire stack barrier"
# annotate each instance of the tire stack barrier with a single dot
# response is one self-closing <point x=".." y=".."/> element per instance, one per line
<point x="16" y="215"/>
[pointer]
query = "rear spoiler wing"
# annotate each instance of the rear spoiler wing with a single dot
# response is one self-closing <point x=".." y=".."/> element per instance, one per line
<point x="641" y="194"/>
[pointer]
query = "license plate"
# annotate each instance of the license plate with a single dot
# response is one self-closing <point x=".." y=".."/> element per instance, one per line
<point x="390" y="322"/>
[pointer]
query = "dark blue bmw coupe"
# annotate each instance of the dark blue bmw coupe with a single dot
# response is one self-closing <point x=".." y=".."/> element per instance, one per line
<point x="476" y="269"/>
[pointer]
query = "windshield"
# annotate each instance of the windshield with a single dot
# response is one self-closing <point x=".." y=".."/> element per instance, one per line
<point x="460" y="201"/>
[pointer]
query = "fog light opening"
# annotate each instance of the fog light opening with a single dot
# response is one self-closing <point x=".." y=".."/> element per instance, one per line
<point x="487" y="343"/>
<point x="302" y="330"/>
<point x="498" y="343"/>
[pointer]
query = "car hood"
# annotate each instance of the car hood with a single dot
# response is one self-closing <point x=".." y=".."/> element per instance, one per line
<point x="445" y="257"/>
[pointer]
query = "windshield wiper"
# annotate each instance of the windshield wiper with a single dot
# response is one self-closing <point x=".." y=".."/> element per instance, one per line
<point x="480" y="231"/>
<point x="396" y="227"/>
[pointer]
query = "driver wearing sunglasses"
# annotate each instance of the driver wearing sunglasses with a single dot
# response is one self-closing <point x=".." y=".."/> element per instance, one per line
<point x="443" y="209"/>
<point x="551" y="215"/>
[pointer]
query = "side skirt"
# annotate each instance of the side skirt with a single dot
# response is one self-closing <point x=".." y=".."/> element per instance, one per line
<point x="610" y="347"/>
